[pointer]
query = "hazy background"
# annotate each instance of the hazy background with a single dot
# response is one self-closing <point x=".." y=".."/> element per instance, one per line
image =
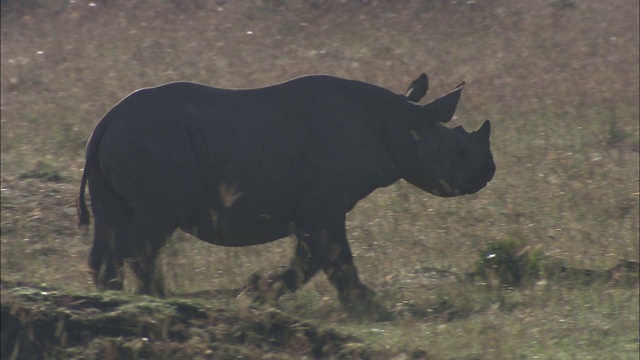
<point x="558" y="79"/>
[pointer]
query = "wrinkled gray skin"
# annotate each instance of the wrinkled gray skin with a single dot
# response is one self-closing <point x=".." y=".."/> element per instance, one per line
<point x="247" y="167"/>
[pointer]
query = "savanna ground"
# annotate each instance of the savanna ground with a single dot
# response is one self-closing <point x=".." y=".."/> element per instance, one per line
<point x="558" y="79"/>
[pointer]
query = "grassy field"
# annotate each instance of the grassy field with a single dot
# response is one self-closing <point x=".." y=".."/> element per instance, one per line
<point x="558" y="79"/>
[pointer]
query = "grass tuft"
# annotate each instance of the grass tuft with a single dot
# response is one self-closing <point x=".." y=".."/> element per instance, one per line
<point x="512" y="262"/>
<point x="42" y="170"/>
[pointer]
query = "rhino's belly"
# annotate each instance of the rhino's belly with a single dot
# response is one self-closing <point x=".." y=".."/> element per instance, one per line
<point x="229" y="228"/>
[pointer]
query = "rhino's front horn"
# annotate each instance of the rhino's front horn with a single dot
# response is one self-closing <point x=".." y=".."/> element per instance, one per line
<point x="485" y="129"/>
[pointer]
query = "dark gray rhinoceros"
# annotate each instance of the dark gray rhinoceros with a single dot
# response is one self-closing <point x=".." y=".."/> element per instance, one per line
<point x="246" y="167"/>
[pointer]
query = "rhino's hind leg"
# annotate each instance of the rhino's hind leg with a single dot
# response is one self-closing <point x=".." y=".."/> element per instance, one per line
<point x="111" y="218"/>
<point x="104" y="261"/>
<point x="143" y="243"/>
<point x="149" y="276"/>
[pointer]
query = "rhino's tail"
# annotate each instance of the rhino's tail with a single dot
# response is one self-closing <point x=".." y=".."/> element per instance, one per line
<point x="84" y="218"/>
<point x="91" y="162"/>
<point x="81" y="207"/>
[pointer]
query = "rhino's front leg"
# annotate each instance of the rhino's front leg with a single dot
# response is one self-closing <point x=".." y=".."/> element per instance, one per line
<point x="334" y="254"/>
<point x="325" y="249"/>
<point x="322" y="247"/>
<point x="329" y="247"/>
<point x="301" y="269"/>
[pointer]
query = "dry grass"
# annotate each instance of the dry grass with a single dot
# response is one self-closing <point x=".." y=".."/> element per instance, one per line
<point x="559" y="79"/>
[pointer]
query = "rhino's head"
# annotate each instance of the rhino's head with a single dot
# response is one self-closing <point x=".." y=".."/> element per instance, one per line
<point x="447" y="161"/>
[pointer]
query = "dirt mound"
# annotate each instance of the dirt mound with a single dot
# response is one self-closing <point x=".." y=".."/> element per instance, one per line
<point x="43" y="323"/>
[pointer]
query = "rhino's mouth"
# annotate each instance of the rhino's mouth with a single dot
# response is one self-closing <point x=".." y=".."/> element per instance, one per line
<point x="446" y="189"/>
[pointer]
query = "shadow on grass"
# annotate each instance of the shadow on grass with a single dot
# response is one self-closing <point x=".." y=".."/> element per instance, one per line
<point x="510" y="263"/>
<point x="43" y="323"/>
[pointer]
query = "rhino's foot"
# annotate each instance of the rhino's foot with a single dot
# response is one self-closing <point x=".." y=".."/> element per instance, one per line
<point x="104" y="282"/>
<point x="370" y="311"/>
<point x="360" y="304"/>
<point x="265" y="290"/>
<point x="152" y="289"/>
<point x="113" y="284"/>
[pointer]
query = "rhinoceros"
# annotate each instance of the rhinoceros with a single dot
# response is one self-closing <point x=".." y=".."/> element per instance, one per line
<point x="240" y="167"/>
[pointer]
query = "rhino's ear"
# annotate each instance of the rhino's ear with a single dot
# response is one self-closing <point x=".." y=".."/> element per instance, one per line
<point x="418" y="88"/>
<point x="443" y="108"/>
